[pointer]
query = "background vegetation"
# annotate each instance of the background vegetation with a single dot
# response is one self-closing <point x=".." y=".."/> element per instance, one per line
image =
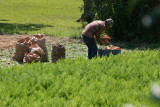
<point x="135" y="20"/>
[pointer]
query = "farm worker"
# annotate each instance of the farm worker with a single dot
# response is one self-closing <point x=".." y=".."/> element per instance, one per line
<point x="92" y="30"/>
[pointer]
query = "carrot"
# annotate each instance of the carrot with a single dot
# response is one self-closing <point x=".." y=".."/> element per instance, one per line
<point x="106" y="37"/>
<point x="117" y="48"/>
<point x="105" y="40"/>
<point x="111" y="47"/>
<point x="106" y="48"/>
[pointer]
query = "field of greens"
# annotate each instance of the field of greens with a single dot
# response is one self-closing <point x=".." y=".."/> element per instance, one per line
<point x="116" y="81"/>
<point x="129" y="79"/>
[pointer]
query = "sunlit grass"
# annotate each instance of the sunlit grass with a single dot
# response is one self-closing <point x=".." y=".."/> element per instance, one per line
<point x="57" y="17"/>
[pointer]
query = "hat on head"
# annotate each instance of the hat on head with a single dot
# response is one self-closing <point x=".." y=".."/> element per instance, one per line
<point x="110" y="22"/>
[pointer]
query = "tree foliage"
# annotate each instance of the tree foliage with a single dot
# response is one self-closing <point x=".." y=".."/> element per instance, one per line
<point x="135" y="20"/>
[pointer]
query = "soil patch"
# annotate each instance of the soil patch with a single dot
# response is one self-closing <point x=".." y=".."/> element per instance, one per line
<point x="9" y="41"/>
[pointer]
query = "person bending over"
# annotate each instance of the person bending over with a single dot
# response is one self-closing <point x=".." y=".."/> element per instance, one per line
<point x="92" y="30"/>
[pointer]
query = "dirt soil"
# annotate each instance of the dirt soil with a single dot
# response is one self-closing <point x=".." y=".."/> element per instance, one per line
<point x="9" y="41"/>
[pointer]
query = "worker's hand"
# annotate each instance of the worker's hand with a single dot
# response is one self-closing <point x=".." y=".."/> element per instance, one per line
<point x="101" y="43"/>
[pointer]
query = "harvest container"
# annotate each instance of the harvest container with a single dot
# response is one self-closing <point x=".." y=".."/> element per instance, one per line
<point x="102" y="52"/>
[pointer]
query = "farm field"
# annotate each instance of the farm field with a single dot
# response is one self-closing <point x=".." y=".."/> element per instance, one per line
<point x="74" y="48"/>
<point x="115" y="81"/>
<point x="129" y="79"/>
<point x="121" y="80"/>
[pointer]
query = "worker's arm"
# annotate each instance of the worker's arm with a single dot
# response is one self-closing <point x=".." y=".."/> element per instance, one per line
<point x="98" y="37"/>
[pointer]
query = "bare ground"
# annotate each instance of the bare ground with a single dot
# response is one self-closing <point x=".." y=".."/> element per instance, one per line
<point x="9" y="41"/>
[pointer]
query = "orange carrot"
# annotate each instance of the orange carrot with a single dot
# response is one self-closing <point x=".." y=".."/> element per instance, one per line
<point x="117" y="48"/>
<point x="105" y="40"/>
<point x="106" y="48"/>
<point x="111" y="47"/>
<point x="106" y="37"/>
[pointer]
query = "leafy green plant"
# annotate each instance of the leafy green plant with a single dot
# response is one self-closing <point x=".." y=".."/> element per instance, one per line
<point x="107" y="81"/>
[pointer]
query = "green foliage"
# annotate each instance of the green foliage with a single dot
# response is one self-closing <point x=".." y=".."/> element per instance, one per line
<point x="50" y="17"/>
<point x="112" y="81"/>
<point x="128" y="16"/>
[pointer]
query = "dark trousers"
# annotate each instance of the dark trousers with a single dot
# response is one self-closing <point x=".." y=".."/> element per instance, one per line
<point x="92" y="46"/>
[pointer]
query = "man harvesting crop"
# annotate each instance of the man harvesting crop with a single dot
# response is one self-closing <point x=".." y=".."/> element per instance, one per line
<point x="94" y="29"/>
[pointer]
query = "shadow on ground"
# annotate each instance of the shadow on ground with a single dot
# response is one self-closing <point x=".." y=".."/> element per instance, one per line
<point x="4" y="20"/>
<point x="15" y="28"/>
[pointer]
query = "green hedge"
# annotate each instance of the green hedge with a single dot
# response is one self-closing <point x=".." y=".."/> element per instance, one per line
<point x="128" y="16"/>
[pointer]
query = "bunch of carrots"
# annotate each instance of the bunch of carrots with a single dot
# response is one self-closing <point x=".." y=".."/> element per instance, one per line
<point x="105" y="40"/>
